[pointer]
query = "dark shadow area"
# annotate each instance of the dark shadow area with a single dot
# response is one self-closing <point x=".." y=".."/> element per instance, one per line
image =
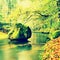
<point x="24" y="47"/>
<point x="18" y="41"/>
<point x="21" y="44"/>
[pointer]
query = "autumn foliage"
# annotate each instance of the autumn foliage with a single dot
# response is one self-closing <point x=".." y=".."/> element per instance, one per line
<point x="52" y="50"/>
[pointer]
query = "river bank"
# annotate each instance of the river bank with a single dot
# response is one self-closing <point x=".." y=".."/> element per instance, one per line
<point x="3" y="35"/>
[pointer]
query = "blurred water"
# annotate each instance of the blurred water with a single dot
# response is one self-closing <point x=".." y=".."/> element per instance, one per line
<point x="39" y="38"/>
<point x="28" y="51"/>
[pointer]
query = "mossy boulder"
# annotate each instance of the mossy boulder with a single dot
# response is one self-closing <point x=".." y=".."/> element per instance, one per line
<point x="20" y="32"/>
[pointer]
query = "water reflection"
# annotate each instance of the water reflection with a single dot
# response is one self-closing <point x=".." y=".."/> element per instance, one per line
<point x="19" y="52"/>
<point x="39" y="38"/>
<point x="9" y="52"/>
<point x="19" y="41"/>
<point x="22" y="51"/>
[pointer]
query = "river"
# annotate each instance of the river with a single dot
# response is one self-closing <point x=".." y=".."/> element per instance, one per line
<point x="28" y="51"/>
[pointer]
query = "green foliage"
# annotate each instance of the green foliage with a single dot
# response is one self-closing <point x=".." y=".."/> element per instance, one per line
<point x="42" y="14"/>
<point x="11" y="3"/>
<point x="56" y="34"/>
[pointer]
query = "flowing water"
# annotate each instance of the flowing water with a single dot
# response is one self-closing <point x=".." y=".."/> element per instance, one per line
<point x="28" y="51"/>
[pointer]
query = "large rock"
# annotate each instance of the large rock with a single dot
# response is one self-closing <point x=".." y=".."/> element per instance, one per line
<point x="20" y="32"/>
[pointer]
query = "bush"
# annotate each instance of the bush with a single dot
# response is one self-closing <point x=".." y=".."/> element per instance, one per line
<point x="56" y="34"/>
